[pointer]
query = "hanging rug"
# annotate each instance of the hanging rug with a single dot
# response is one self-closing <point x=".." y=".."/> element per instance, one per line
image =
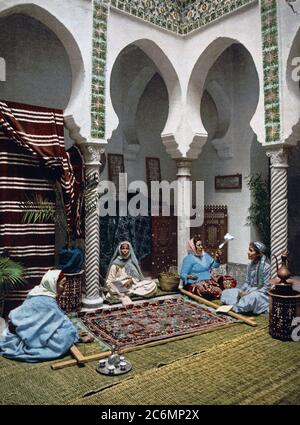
<point x="153" y="320"/>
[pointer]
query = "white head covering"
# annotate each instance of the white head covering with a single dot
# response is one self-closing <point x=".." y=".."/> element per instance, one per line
<point x="48" y="285"/>
<point x="261" y="247"/>
<point x="130" y="263"/>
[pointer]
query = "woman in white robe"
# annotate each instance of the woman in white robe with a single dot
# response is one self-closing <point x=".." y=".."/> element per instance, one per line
<point x="125" y="278"/>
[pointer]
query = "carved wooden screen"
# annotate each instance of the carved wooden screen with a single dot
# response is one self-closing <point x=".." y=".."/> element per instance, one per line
<point x="164" y="237"/>
<point x="213" y="229"/>
<point x="164" y="244"/>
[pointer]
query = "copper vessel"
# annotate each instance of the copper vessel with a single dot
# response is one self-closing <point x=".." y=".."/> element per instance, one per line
<point x="283" y="273"/>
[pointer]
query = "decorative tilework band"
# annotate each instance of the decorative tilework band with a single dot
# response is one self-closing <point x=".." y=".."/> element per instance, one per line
<point x="271" y="69"/>
<point x="180" y="17"/>
<point x="100" y="13"/>
<point x="166" y="14"/>
<point x="199" y="13"/>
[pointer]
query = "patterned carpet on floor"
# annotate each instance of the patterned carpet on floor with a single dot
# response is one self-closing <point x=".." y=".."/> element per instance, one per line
<point x="152" y="320"/>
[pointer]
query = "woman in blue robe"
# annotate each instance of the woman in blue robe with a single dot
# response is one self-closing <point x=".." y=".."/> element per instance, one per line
<point x="253" y="295"/>
<point x="196" y="272"/>
<point x="38" y="329"/>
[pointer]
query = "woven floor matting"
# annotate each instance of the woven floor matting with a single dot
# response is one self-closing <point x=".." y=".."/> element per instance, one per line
<point x="153" y="320"/>
<point x="237" y="364"/>
<point x="251" y="369"/>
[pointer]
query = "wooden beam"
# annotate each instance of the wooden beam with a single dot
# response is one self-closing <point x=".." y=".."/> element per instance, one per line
<point x="77" y="354"/>
<point x="211" y="304"/>
<point x="82" y="359"/>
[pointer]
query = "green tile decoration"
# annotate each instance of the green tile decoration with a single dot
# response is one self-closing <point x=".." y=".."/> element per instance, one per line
<point x="182" y="17"/>
<point x="163" y="13"/>
<point x="271" y="69"/>
<point x="100" y="13"/>
<point x="198" y="13"/>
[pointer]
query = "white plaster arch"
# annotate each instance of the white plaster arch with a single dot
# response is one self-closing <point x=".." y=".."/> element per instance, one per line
<point x="222" y="104"/>
<point x="165" y="68"/>
<point x="134" y="94"/>
<point x="292" y="107"/>
<point x="40" y="13"/>
<point x="193" y="123"/>
<point x="125" y="102"/>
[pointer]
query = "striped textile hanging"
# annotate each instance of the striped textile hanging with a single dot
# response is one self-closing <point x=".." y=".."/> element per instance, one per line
<point x="33" y="245"/>
<point x="41" y="132"/>
<point x="32" y="157"/>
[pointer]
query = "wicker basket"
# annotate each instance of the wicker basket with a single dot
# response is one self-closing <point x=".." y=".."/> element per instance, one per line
<point x="168" y="282"/>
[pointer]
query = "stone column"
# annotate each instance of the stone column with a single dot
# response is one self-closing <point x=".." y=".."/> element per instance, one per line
<point x="279" y="202"/>
<point x="92" y="153"/>
<point x="183" y="207"/>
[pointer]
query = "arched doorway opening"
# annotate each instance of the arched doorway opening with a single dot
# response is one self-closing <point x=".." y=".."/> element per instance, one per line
<point x="229" y="99"/>
<point x="140" y="98"/>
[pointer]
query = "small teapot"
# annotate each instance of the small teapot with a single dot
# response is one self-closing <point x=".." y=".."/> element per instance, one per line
<point x="283" y="272"/>
<point x="114" y="358"/>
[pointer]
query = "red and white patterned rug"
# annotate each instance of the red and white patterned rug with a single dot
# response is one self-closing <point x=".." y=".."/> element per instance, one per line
<point x="152" y="320"/>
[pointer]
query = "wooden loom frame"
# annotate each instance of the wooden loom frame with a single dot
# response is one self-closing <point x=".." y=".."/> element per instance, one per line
<point x="80" y="359"/>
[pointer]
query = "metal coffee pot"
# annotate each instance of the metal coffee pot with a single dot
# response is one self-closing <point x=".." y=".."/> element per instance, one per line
<point x="283" y="287"/>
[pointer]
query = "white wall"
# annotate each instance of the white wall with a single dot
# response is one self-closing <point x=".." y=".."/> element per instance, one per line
<point x="38" y="71"/>
<point x="72" y="22"/>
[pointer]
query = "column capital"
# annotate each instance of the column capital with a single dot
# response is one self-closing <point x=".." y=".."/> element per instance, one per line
<point x="92" y="151"/>
<point x="278" y="157"/>
<point x="184" y="167"/>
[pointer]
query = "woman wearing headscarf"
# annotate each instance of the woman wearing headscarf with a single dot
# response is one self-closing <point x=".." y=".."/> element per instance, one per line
<point x="38" y="329"/>
<point x="253" y="295"/>
<point x="125" y="278"/>
<point x="196" y="272"/>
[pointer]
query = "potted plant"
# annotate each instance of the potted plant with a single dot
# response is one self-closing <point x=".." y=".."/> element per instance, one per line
<point x="259" y="210"/>
<point x="11" y="277"/>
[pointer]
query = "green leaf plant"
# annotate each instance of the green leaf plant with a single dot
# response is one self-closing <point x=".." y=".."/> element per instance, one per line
<point x="259" y="212"/>
<point x="11" y="274"/>
<point x="11" y="277"/>
<point x="38" y="209"/>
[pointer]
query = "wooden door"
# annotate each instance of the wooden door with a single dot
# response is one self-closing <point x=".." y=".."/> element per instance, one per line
<point x="164" y="244"/>
<point x="213" y="229"/>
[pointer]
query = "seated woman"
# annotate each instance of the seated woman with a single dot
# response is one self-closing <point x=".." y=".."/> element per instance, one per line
<point x="253" y="295"/>
<point x="38" y="329"/>
<point x="125" y="278"/>
<point x="196" y="268"/>
<point x="71" y="258"/>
